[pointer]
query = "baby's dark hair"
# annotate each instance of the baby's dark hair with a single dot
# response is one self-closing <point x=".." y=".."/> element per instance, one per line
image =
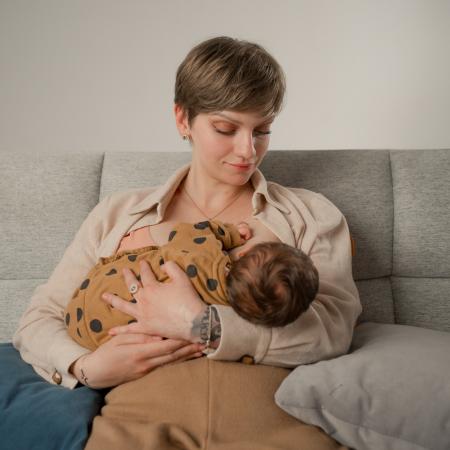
<point x="272" y="284"/>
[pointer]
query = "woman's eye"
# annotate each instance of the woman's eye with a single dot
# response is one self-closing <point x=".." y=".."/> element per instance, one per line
<point x="228" y="133"/>
<point x="255" y="133"/>
<point x="262" y="133"/>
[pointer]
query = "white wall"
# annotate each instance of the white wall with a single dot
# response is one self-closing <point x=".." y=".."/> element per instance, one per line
<point x="99" y="74"/>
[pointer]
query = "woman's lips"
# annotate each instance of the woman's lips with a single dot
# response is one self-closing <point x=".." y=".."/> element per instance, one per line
<point x="240" y="166"/>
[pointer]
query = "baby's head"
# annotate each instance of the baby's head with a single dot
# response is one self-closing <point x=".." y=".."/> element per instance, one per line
<point x="272" y="284"/>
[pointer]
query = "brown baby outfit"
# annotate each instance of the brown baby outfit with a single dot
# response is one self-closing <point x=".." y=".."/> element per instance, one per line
<point x="199" y="249"/>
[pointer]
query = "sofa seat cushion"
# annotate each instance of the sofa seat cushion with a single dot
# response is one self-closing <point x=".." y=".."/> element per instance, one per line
<point x="392" y="391"/>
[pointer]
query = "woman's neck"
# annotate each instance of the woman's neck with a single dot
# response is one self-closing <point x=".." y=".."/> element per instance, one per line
<point x="211" y="195"/>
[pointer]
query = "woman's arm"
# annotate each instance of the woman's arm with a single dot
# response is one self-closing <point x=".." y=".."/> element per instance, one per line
<point x="42" y="337"/>
<point x="326" y="329"/>
<point x="128" y="357"/>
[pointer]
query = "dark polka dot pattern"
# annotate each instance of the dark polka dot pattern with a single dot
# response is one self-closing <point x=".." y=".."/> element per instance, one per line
<point x="199" y="240"/>
<point x="172" y="235"/>
<point x="96" y="326"/>
<point x="79" y="334"/>
<point x="220" y="230"/>
<point x="133" y="300"/>
<point x="79" y="314"/>
<point x="191" y="271"/>
<point x="211" y="283"/>
<point x="201" y="225"/>
<point x="138" y="277"/>
<point x="67" y="319"/>
<point x="161" y="261"/>
<point x="132" y="257"/>
<point x="85" y="284"/>
<point x="111" y="272"/>
<point x="184" y="251"/>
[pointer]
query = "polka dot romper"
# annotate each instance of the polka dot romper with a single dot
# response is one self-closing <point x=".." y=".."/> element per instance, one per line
<point x="199" y="249"/>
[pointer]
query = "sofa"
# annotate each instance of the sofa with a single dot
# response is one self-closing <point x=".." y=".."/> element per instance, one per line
<point x="392" y="390"/>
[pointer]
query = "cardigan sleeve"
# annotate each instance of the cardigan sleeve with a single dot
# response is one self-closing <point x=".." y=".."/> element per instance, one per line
<point x="41" y="337"/>
<point x="325" y="330"/>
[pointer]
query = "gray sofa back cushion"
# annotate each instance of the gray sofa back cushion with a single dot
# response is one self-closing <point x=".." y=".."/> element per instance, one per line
<point x="394" y="203"/>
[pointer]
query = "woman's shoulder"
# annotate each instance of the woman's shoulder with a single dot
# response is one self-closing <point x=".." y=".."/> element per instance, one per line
<point x="313" y="200"/>
<point x="127" y="199"/>
<point x="318" y="207"/>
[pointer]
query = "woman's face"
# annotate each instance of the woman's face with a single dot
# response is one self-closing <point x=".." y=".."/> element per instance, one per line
<point x="229" y="145"/>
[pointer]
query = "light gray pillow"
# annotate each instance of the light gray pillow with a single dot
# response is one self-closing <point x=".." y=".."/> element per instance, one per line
<point x="392" y="391"/>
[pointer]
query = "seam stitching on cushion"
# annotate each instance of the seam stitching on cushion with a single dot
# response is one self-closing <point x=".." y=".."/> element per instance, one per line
<point x="393" y="236"/>
<point x="208" y="413"/>
<point x="100" y="181"/>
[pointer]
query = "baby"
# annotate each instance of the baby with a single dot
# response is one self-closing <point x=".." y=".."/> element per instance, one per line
<point x="271" y="284"/>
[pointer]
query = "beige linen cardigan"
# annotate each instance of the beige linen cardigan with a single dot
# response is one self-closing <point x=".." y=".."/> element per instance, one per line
<point x="298" y="217"/>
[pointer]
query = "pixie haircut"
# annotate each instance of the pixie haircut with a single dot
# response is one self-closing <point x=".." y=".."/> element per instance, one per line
<point x="223" y="73"/>
<point x="272" y="284"/>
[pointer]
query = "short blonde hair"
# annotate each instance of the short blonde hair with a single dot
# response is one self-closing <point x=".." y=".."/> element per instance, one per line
<point x="224" y="73"/>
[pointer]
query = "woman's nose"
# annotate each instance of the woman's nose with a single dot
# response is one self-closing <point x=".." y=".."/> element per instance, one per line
<point x="246" y="147"/>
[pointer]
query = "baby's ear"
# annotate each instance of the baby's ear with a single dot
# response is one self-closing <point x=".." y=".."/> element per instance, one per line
<point x="242" y="253"/>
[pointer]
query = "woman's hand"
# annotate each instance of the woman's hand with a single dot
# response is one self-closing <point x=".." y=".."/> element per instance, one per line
<point x="130" y="356"/>
<point x="173" y="309"/>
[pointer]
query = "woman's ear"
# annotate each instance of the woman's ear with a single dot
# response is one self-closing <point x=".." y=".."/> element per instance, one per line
<point x="181" y="120"/>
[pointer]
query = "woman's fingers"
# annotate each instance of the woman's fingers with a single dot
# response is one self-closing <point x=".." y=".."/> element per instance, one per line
<point x="175" y="348"/>
<point x="118" y="303"/>
<point x="134" y="327"/>
<point x="134" y="338"/>
<point x="147" y="275"/>
<point x="187" y="358"/>
<point x="131" y="280"/>
<point x="174" y="271"/>
<point x="176" y="354"/>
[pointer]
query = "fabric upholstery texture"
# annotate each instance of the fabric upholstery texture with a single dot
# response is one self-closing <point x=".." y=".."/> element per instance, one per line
<point x="421" y="183"/>
<point x="390" y="393"/>
<point x="359" y="184"/>
<point x="49" y="196"/>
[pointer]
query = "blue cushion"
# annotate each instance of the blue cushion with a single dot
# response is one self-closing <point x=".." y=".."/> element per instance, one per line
<point x="35" y="414"/>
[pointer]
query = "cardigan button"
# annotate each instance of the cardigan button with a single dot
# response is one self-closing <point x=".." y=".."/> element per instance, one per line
<point x="56" y="377"/>
<point x="247" y="359"/>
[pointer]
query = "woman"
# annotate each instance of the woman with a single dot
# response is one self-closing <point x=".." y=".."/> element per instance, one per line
<point x="227" y="95"/>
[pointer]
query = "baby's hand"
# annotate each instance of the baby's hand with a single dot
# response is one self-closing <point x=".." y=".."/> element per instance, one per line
<point x="244" y="230"/>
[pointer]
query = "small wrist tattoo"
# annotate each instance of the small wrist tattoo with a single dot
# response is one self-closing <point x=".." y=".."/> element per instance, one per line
<point x="207" y="328"/>
<point x="216" y="328"/>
